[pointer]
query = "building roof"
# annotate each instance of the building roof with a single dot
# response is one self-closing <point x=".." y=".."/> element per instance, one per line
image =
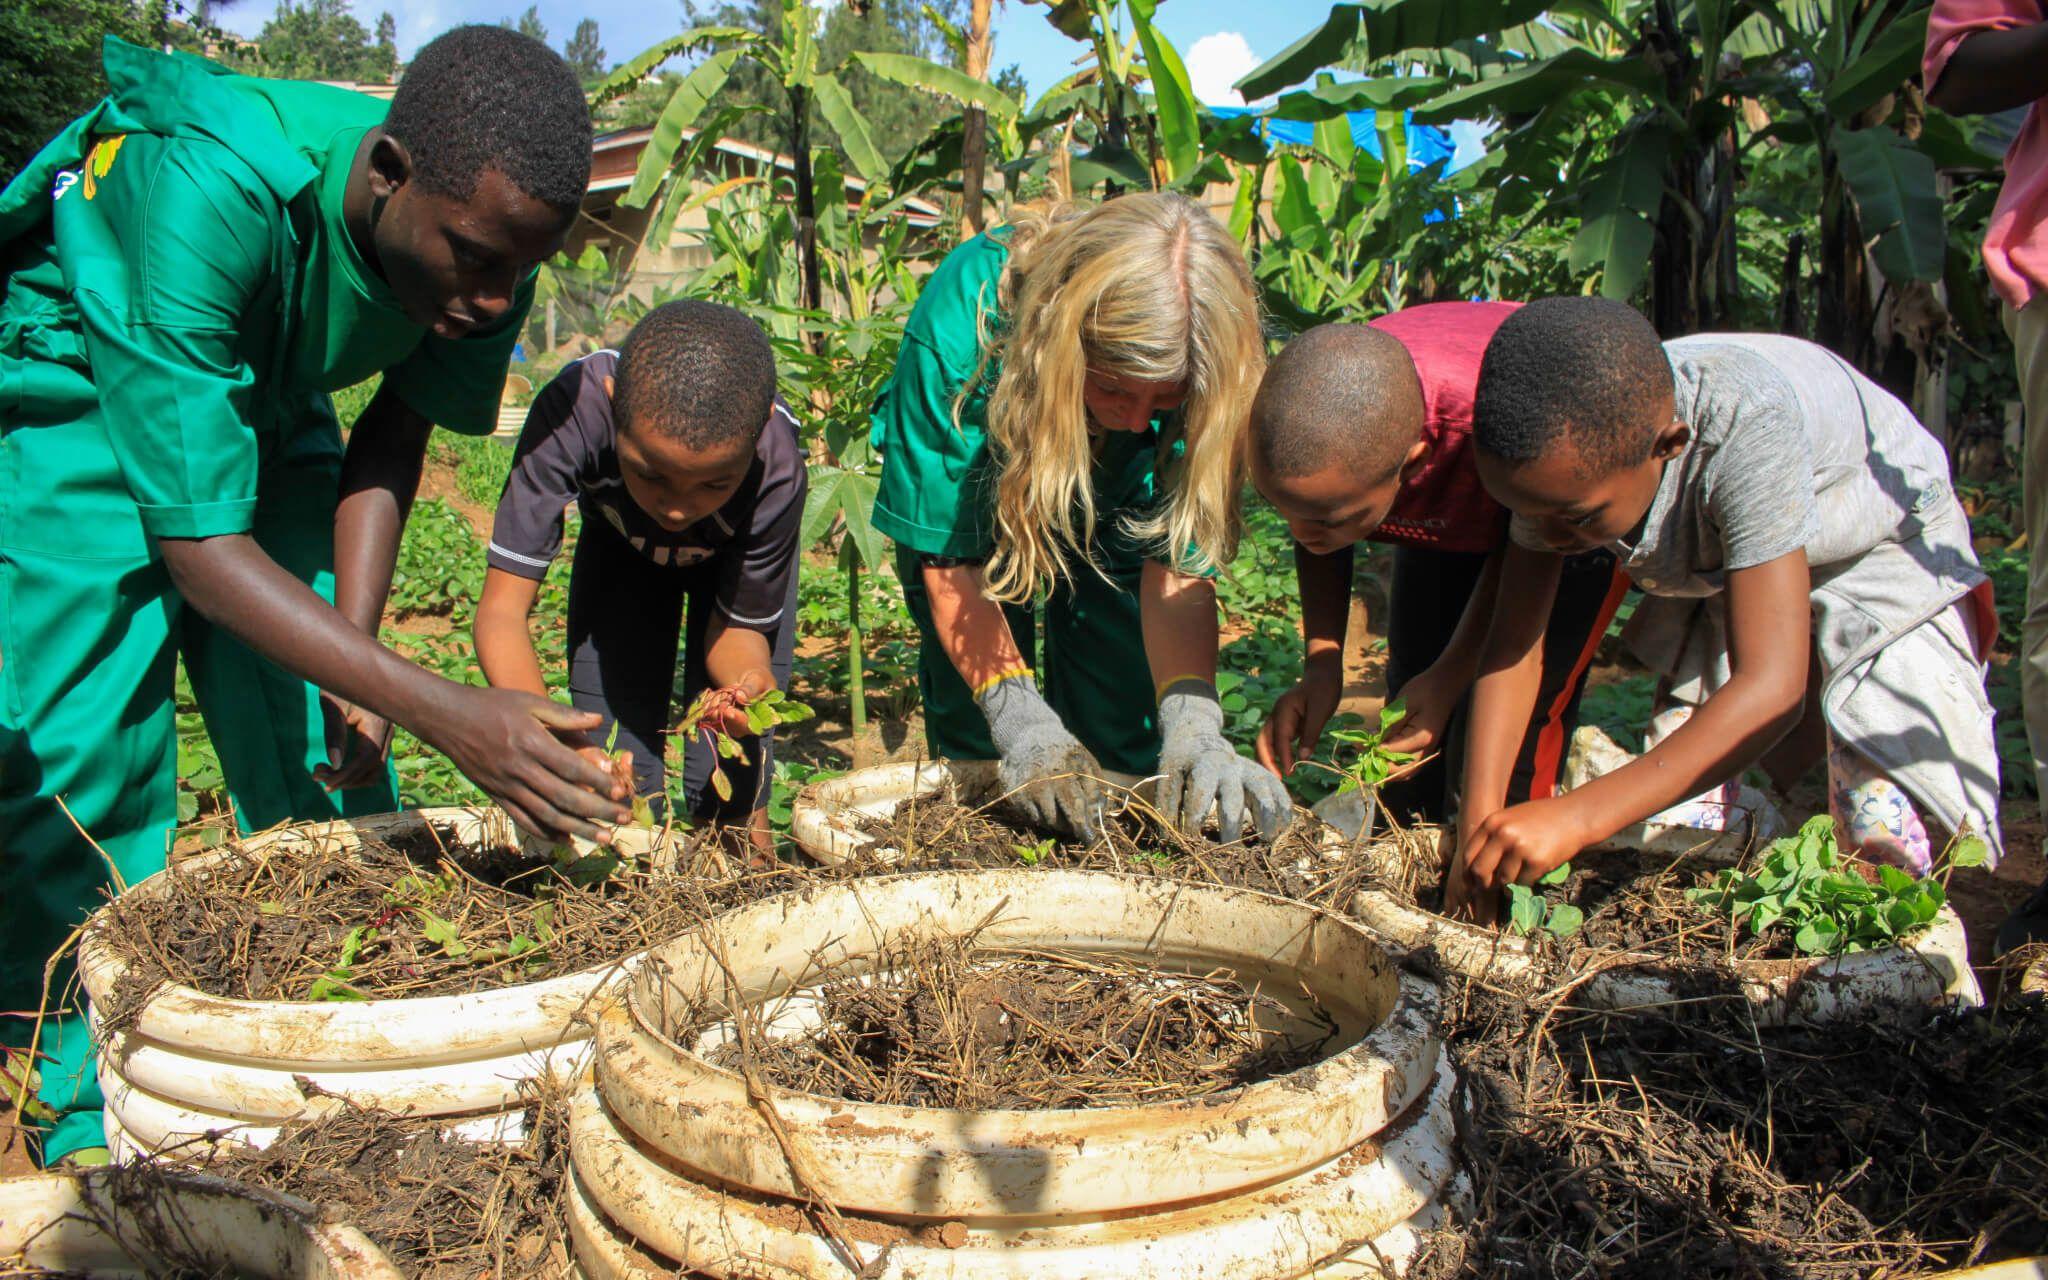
<point x="615" y="158"/>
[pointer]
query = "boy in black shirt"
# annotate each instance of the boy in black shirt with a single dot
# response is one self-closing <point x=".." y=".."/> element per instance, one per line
<point x="686" y="467"/>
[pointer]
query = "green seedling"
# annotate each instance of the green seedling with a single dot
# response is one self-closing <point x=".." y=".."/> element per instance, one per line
<point x="1804" y="888"/>
<point x="442" y="933"/>
<point x="708" y="713"/>
<point x="1374" y="764"/>
<point x="622" y="770"/>
<point x="1530" y="913"/>
<point x="334" y="984"/>
<point x="21" y="1081"/>
<point x="1032" y="853"/>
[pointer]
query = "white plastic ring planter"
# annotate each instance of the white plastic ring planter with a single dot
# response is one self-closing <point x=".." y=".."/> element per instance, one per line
<point x="108" y="1224"/>
<point x="1264" y="1180"/>
<point x="955" y="1164"/>
<point x="825" y="820"/>
<point x="1261" y="1232"/>
<point x="1931" y="968"/>
<point x="193" y="1064"/>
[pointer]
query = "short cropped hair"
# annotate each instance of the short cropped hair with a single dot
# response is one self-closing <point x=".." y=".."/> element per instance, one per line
<point x="1587" y="371"/>
<point x="1339" y="395"/>
<point x="697" y="372"/>
<point x="477" y="98"/>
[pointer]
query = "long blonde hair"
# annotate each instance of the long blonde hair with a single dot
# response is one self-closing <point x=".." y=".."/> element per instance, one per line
<point x="1146" y="286"/>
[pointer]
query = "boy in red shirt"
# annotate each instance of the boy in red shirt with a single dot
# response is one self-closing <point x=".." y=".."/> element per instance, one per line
<point x="1364" y="432"/>
<point x="1984" y="56"/>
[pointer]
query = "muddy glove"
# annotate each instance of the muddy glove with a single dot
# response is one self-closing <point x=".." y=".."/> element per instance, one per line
<point x="1203" y="771"/>
<point x="1045" y="771"/>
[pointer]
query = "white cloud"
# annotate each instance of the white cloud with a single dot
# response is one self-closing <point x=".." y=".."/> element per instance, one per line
<point x="1215" y="63"/>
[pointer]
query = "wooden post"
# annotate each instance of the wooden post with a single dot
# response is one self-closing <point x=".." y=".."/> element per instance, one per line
<point x="974" y="143"/>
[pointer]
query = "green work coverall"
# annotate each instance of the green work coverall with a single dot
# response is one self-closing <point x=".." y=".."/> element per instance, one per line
<point x="181" y="296"/>
<point x="937" y="497"/>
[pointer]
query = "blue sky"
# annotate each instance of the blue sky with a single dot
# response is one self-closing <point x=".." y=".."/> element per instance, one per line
<point x="1220" y="39"/>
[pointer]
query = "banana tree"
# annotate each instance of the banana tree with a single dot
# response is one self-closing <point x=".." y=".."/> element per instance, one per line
<point x="1132" y="141"/>
<point x="1630" y="115"/>
<point x="1842" y="86"/>
<point x="789" y="56"/>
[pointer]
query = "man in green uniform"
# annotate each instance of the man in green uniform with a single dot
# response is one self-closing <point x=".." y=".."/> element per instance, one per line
<point x="190" y="269"/>
<point x="937" y="500"/>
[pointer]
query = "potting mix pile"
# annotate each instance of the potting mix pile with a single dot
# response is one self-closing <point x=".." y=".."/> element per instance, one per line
<point x="417" y="916"/>
<point x="936" y="1021"/>
<point x="1688" y="1141"/>
<point x="1630" y="901"/>
<point x="443" y="1208"/>
<point x="939" y="833"/>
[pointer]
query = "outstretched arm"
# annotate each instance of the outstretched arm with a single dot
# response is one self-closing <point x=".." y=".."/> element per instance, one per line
<point x="501" y="739"/>
<point x="1295" y="724"/>
<point x="1769" y="619"/>
<point x="380" y="473"/>
<point x="1994" y="70"/>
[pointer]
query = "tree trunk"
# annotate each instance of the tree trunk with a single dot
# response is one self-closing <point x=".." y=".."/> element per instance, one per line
<point x="806" y="205"/>
<point x="1692" y="260"/>
<point x="974" y="141"/>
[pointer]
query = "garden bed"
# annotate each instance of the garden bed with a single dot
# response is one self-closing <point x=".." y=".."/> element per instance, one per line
<point x="935" y="1020"/>
<point x="441" y="1207"/>
<point x="1694" y="1142"/>
<point x="944" y="815"/>
<point x="436" y="907"/>
<point x="1635" y="929"/>
<point x="702" y="1148"/>
<point x="423" y="963"/>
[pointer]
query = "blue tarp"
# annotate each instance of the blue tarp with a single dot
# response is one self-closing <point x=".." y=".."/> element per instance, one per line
<point x="1427" y="143"/>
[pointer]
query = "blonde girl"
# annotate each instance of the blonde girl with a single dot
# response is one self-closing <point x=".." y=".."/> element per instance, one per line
<point x="1065" y="425"/>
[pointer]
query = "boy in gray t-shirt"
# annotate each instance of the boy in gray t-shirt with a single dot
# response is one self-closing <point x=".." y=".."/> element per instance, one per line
<point x="1778" y="508"/>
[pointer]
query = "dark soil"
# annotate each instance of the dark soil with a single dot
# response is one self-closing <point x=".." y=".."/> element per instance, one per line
<point x="1660" y="1144"/>
<point x="1636" y="902"/>
<point x="939" y="1022"/>
<point x="431" y="916"/>
<point x="937" y="833"/>
<point x="1632" y="902"/>
<point x="443" y="1208"/>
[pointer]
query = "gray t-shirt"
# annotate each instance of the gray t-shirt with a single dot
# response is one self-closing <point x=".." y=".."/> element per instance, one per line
<point x="1791" y="448"/>
<point x="568" y="453"/>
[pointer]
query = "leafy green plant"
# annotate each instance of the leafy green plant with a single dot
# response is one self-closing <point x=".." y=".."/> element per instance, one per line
<point x="792" y="776"/>
<point x="1530" y="913"/>
<point x="762" y="713"/>
<point x="1033" y="852"/>
<point x="1372" y="764"/>
<point x="790" y="57"/>
<point x="334" y="984"/>
<point x="1803" y="887"/>
<point x="20" y="1080"/>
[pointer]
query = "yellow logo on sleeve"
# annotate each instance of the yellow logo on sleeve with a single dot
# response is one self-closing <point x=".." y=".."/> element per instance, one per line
<point x="100" y="161"/>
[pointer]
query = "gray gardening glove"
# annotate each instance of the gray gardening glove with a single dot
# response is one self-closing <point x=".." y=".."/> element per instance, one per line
<point x="1045" y="771"/>
<point x="1203" y="771"/>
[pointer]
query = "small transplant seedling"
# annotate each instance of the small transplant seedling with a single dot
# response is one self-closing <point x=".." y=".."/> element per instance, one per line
<point x="20" y="1079"/>
<point x="1530" y="913"/>
<point x="762" y="713"/>
<point x="1803" y="887"/>
<point x="1374" y="763"/>
<point x="1033" y="852"/>
<point x="334" y="984"/>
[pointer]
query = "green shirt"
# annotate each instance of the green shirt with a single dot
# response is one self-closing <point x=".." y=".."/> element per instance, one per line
<point x="180" y="255"/>
<point x="937" y="492"/>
